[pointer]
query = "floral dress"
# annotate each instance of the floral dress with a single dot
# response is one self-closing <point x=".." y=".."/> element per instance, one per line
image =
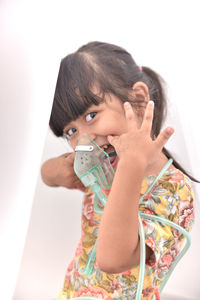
<point x="172" y="197"/>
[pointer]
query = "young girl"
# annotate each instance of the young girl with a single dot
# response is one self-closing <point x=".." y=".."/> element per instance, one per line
<point x="102" y="92"/>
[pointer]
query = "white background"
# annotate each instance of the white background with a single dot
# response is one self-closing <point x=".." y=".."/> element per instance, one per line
<point x="40" y="226"/>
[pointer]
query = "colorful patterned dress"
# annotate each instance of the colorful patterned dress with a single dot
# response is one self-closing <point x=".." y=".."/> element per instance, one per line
<point x="172" y="197"/>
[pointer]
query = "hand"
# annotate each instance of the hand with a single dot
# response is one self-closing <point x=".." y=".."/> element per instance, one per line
<point x="137" y="143"/>
<point x="59" y="171"/>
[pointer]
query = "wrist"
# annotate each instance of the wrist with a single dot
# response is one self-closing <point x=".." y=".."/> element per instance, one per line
<point x="138" y="162"/>
<point x="49" y="172"/>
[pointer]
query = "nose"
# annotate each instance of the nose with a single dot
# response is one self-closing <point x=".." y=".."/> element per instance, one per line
<point x="82" y="133"/>
<point x="91" y="134"/>
<point x="85" y="134"/>
<point x="82" y="139"/>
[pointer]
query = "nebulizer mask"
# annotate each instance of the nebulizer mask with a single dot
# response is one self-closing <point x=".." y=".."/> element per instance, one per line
<point x="92" y="166"/>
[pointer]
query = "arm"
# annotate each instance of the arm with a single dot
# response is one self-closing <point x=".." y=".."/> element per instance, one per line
<point x="118" y="243"/>
<point x="59" y="171"/>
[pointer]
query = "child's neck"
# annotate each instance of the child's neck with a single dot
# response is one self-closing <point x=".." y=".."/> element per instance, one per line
<point x="158" y="165"/>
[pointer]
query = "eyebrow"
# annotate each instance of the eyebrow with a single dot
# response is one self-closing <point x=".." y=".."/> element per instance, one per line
<point x="85" y="113"/>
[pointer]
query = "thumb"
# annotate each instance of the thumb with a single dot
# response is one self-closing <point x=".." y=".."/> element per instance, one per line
<point x="112" y="139"/>
<point x="71" y="157"/>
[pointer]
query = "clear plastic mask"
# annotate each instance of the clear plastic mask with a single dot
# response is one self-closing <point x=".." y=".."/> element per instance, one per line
<point x="92" y="164"/>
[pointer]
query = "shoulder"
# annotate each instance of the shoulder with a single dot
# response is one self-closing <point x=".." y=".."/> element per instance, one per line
<point x="176" y="182"/>
<point x="186" y="198"/>
<point x="174" y="186"/>
<point x="172" y="197"/>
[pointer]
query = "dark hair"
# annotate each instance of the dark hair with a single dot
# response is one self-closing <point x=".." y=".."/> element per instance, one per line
<point x="111" y="70"/>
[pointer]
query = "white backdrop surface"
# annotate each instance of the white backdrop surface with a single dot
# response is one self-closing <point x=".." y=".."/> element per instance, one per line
<point x="40" y="226"/>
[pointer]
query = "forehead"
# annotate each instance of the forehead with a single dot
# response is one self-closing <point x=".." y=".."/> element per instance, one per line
<point x="109" y="103"/>
<point x="78" y="104"/>
<point x="82" y="113"/>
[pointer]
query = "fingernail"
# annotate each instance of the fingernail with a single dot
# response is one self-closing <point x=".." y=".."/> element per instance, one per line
<point x="126" y="103"/>
<point x="151" y="102"/>
<point x="170" y="130"/>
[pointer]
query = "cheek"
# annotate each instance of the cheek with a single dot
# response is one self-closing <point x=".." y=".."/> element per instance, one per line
<point x="121" y="123"/>
<point x="115" y="126"/>
<point x="73" y="143"/>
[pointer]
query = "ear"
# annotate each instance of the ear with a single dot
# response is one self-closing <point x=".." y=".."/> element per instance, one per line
<point x="140" y="92"/>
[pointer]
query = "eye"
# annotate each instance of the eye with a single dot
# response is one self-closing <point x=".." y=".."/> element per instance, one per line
<point x="90" y="116"/>
<point x="69" y="132"/>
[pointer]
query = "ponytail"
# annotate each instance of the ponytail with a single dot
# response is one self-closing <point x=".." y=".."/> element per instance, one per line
<point x="157" y="86"/>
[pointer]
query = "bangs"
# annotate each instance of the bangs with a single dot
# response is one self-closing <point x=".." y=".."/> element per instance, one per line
<point x="76" y="90"/>
<point x="86" y="77"/>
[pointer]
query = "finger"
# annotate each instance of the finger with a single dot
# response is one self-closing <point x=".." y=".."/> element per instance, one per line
<point x="75" y="180"/>
<point x="71" y="158"/>
<point x="130" y="116"/>
<point x="80" y="187"/>
<point x="164" y="136"/>
<point x="148" y="118"/>
<point x="113" y="140"/>
<point x="75" y="183"/>
<point x="65" y="155"/>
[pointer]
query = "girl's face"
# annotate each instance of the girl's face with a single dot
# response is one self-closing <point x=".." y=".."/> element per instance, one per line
<point x="99" y="121"/>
